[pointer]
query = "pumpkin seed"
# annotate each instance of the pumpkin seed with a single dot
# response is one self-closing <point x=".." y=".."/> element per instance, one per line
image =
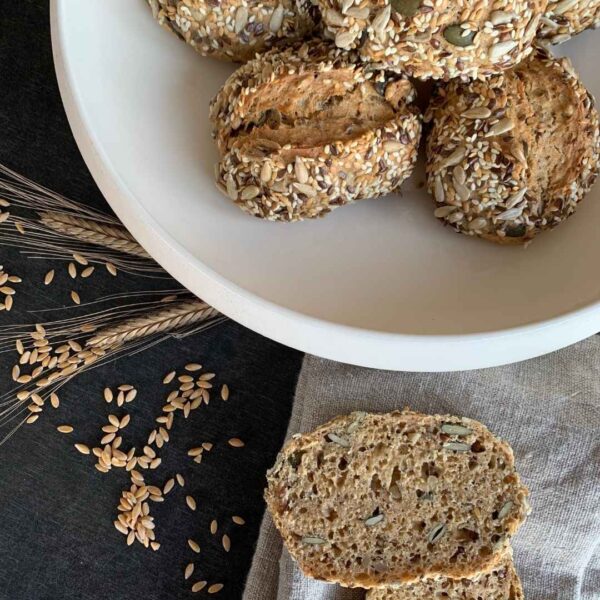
<point x="505" y="510"/>
<point x="374" y="520"/>
<point x="336" y="439"/>
<point x="456" y="447"/>
<point x="455" y="35"/>
<point x="313" y="540"/>
<point x="407" y="8"/>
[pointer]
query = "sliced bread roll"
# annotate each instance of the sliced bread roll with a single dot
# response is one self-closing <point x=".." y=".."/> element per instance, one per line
<point x="369" y="500"/>
<point x="501" y="583"/>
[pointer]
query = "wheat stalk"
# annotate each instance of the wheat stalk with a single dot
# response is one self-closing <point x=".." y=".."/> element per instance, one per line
<point x="162" y="321"/>
<point x="93" y="232"/>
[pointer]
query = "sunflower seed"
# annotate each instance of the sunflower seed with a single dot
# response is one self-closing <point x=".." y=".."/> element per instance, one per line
<point x="562" y="7"/>
<point x="304" y="188"/>
<point x="500" y="127"/>
<point x="266" y="172"/>
<point x="276" y="19"/>
<point x="250" y="192"/>
<point x="500" y="17"/>
<point x="455" y="429"/>
<point x="477" y="224"/>
<point x="510" y="215"/>
<point x="300" y="170"/>
<point x="313" y="540"/>
<point x="462" y="191"/>
<point x="516" y="198"/>
<point x="358" y="13"/>
<point x="505" y="510"/>
<point x="501" y="49"/>
<point x="344" y="39"/>
<point x="393" y="146"/>
<point x="374" y="520"/>
<point x="241" y="18"/>
<point x="436" y="533"/>
<point x="477" y="112"/>
<point x="456" y="447"/>
<point x="443" y="211"/>
<point x="453" y="158"/>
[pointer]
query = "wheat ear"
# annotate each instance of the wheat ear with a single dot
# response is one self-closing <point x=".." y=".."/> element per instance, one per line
<point x="93" y="232"/>
<point x="161" y="321"/>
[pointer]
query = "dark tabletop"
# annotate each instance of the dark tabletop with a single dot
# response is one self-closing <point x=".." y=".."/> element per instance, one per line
<point x="57" y="538"/>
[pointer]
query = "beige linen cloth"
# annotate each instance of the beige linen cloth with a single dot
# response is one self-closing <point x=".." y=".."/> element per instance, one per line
<point x="548" y="408"/>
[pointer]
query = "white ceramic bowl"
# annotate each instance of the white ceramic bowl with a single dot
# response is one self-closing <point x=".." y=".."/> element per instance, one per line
<point x="380" y="283"/>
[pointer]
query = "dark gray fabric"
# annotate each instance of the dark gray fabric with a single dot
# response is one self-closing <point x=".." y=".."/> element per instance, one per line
<point x="57" y="540"/>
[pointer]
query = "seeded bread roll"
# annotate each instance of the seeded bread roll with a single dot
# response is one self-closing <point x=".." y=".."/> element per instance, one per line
<point x="439" y="39"/>
<point x="502" y="583"/>
<point x="512" y="156"/>
<point x="566" y="18"/>
<point x="311" y="128"/>
<point x="369" y="500"/>
<point x="235" y="30"/>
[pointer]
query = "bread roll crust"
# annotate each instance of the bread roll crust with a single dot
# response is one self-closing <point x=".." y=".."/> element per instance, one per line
<point x="369" y="500"/>
<point x="512" y="156"/>
<point x="308" y="129"/>
<point x="565" y="18"/>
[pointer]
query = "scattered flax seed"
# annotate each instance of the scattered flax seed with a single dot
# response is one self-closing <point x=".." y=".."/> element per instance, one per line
<point x="189" y="569"/>
<point x="72" y="270"/>
<point x="19" y="227"/>
<point x="169" y="377"/>
<point x="125" y="387"/>
<point x="155" y="546"/>
<point x="193" y="367"/>
<point x="215" y="587"/>
<point x="193" y="545"/>
<point x="168" y="487"/>
<point x="189" y="500"/>
<point x="236" y="443"/>
<point x="238" y="520"/>
<point x="49" y="277"/>
<point x="80" y="259"/>
<point x="194" y="451"/>
<point x="108" y="395"/>
<point x="111" y="269"/>
<point x="120" y="398"/>
<point x="130" y="395"/>
<point x="180" y="479"/>
<point x="8" y="303"/>
<point x="65" y="429"/>
<point x="82" y="448"/>
<point x="75" y="297"/>
<point x="113" y="420"/>
<point x="214" y="526"/>
<point x="32" y="419"/>
<point x="87" y="272"/>
<point x="124" y="421"/>
<point x="225" y="392"/>
<point x="155" y="463"/>
<point x="54" y="400"/>
<point x="199" y="586"/>
<point x="226" y="543"/>
<point x="207" y="446"/>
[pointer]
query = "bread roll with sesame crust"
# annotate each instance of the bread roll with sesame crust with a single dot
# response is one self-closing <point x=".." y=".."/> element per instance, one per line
<point x="370" y="500"/>
<point x="512" y="156"/>
<point x="502" y="583"/>
<point x="439" y="39"/>
<point x="305" y="130"/>
<point x="235" y="30"/>
<point x="565" y="18"/>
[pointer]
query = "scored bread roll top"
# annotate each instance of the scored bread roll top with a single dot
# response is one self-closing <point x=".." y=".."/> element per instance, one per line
<point x="369" y="500"/>
<point x="513" y="155"/>
<point x="310" y="128"/>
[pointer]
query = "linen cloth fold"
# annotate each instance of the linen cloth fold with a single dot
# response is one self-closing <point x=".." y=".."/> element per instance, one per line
<point x="547" y="408"/>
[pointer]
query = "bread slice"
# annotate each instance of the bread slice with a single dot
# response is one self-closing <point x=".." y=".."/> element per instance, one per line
<point x="501" y="583"/>
<point x="369" y="500"/>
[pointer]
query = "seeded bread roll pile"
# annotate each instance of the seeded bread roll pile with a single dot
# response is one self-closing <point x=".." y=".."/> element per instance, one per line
<point x="513" y="155"/>
<point x="235" y="30"/>
<point x="566" y="18"/>
<point x="438" y="39"/>
<point x="502" y="583"/>
<point x="305" y="130"/>
<point x="369" y="500"/>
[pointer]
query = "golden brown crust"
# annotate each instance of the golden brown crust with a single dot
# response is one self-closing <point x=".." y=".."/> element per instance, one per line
<point x="369" y="500"/>
<point x="305" y="130"/>
<point x="235" y="30"/>
<point x="566" y="18"/>
<point x="439" y="39"/>
<point x="501" y="583"/>
<point x="512" y="156"/>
